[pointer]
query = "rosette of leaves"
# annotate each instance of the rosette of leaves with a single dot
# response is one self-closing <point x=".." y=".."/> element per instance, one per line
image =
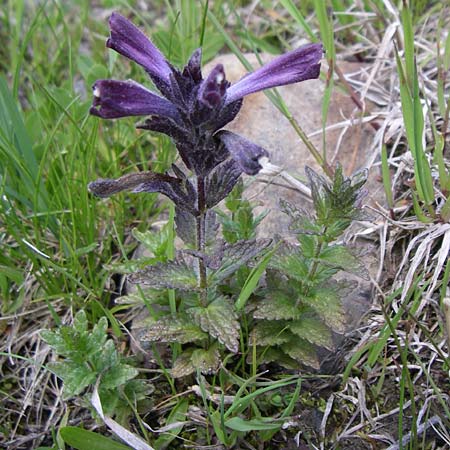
<point x="88" y="357"/>
<point x="301" y="307"/>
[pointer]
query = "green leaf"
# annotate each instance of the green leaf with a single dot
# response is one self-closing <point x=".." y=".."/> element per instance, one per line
<point x="339" y="256"/>
<point x="177" y="414"/>
<point x="326" y="302"/>
<point x="75" y="377"/>
<point x="80" y="322"/>
<point x="208" y="361"/>
<point x="238" y="424"/>
<point x="183" y="365"/>
<point x="219" y="319"/>
<point x="171" y="275"/>
<point x="236" y="255"/>
<point x="117" y="376"/>
<point x="302" y="351"/>
<point x="253" y="279"/>
<point x="170" y="329"/>
<point x="276" y="355"/>
<point x="313" y="330"/>
<point x="88" y="440"/>
<point x="277" y="305"/>
<point x="290" y="261"/>
<point x="155" y="241"/>
<point x="270" y="333"/>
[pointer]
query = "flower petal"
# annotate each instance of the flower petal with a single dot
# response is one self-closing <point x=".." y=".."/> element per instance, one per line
<point x="114" y="99"/>
<point x="298" y="65"/>
<point x="106" y="187"/>
<point x="129" y="41"/>
<point x="244" y="152"/>
<point x="213" y="89"/>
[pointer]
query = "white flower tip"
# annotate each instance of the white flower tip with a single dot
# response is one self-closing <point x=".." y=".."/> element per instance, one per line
<point x="96" y="92"/>
<point x="267" y="167"/>
<point x="219" y="78"/>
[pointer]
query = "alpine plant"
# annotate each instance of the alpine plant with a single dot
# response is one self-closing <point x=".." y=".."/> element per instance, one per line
<point x="192" y="110"/>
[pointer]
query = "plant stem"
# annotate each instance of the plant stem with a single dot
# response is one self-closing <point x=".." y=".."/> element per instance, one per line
<point x="201" y="219"/>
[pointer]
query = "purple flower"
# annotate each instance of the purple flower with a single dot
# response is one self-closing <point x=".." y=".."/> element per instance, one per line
<point x="192" y="109"/>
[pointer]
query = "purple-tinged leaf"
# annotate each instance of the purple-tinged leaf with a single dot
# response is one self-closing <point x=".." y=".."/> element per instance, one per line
<point x="166" y="125"/>
<point x="219" y="319"/>
<point x="170" y="275"/>
<point x="186" y="226"/>
<point x="236" y="255"/>
<point x="221" y="180"/>
<point x="169" y="329"/>
<point x="298" y="65"/>
<point x="276" y="305"/>
<point x="113" y="99"/>
<point x="244" y="152"/>
<point x="129" y="41"/>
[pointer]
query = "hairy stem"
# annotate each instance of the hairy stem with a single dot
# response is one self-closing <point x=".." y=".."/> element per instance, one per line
<point x="201" y="219"/>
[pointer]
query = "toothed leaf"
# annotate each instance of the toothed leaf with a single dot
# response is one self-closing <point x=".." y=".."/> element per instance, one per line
<point x="219" y="319"/>
<point x="341" y="257"/>
<point x="326" y="302"/>
<point x="314" y="331"/>
<point x="221" y="181"/>
<point x="171" y="275"/>
<point x="302" y="351"/>
<point x="290" y="261"/>
<point x="277" y="305"/>
<point x="270" y="333"/>
<point x="238" y="254"/>
<point x="170" y="329"/>
<point x="275" y="354"/>
<point x="186" y="226"/>
<point x="208" y="361"/>
<point x="155" y="241"/>
<point x="183" y="365"/>
<point x="76" y="377"/>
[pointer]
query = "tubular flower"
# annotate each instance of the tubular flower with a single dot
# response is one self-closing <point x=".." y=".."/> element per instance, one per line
<point x="192" y="109"/>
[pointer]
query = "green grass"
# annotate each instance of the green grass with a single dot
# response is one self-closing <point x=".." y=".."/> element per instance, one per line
<point x="57" y="240"/>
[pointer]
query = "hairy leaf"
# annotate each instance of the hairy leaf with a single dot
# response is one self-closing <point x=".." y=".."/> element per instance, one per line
<point x="326" y="302"/>
<point x="221" y="181"/>
<point x="219" y="319"/>
<point x="277" y="305"/>
<point x="183" y="365"/>
<point x="270" y="333"/>
<point x="302" y="351"/>
<point x="186" y="226"/>
<point x="275" y="354"/>
<point x="301" y="222"/>
<point x="155" y="241"/>
<point x="208" y="361"/>
<point x="171" y="275"/>
<point x="289" y="260"/>
<point x="341" y="257"/>
<point x="76" y="377"/>
<point x="238" y="254"/>
<point x="169" y="329"/>
<point x="313" y="330"/>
